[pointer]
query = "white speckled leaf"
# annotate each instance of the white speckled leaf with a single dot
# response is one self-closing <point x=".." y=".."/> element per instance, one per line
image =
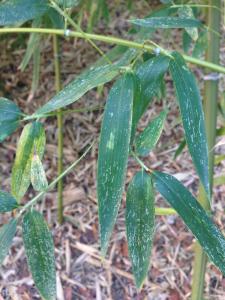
<point x="7" y="202"/>
<point x="113" y="154"/>
<point x="194" y="216"/>
<point x="39" y="249"/>
<point x="167" y="22"/>
<point x="7" y="233"/>
<point x="186" y="12"/>
<point x="82" y="84"/>
<point x="32" y="138"/>
<point x="38" y="176"/>
<point x="147" y="140"/>
<point x="10" y="116"/>
<point x="140" y="217"/>
<point x="190" y="104"/>
<point x="19" y="11"/>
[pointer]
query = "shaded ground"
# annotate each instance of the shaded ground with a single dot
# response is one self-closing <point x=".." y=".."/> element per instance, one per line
<point x="80" y="272"/>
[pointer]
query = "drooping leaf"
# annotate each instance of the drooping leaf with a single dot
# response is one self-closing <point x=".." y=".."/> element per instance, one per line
<point x="77" y="88"/>
<point x="189" y="99"/>
<point x="194" y="216"/>
<point x="147" y="140"/>
<point x="32" y="139"/>
<point x="39" y="249"/>
<point x="10" y="116"/>
<point x="7" y="202"/>
<point x="201" y="45"/>
<point x="149" y="74"/>
<point x="113" y="154"/>
<point x="19" y="11"/>
<point x="186" y="12"/>
<point x="140" y="215"/>
<point x="166" y="22"/>
<point x="33" y="43"/>
<point x="7" y="233"/>
<point x="38" y="177"/>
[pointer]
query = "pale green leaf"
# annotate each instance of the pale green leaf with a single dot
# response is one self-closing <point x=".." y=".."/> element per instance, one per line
<point x="32" y="140"/>
<point x="140" y="215"/>
<point x="166" y="22"/>
<point x="39" y="249"/>
<point x="186" y="12"/>
<point x="38" y="177"/>
<point x="113" y="154"/>
<point x="77" y="88"/>
<point x="190" y="104"/>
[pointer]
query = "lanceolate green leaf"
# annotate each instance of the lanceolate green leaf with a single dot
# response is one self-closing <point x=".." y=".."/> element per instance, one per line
<point x="38" y="177"/>
<point x="189" y="99"/>
<point x="194" y="216"/>
<point x="7" y="202"/>
<point x="167" y="22"/>
<point x="10" y="116"/>
<point x="140" y="215"/>
<point x="186" y="12"/>
<point x="7" y="233"/>
<point x="32" y="140"/>
<point x="39" y="248"/>
<point x="150" y="75"/>
<point x="19" y="11"/>
<point x="77" y="88"/>
<point x="147" y="140"/>
<point x="113" y="154"/>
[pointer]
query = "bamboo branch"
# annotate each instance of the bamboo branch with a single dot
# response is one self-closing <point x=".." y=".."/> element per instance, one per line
<point x="111" y="40"/>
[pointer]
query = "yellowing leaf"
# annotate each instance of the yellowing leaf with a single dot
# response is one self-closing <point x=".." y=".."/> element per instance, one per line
<point x="38" y="177"/>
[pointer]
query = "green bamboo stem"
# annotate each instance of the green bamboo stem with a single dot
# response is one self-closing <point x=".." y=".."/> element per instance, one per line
<point x="111" y="40"/>
<point x="60" y="129"/>
<point x="210" y="108"/>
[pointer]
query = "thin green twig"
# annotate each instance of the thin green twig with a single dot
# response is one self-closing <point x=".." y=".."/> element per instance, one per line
<point x="114" y="41"/>
<point x="59" y="128"/>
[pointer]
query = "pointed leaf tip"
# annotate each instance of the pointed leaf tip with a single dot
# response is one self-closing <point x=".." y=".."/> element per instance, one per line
<point x="194" y="216"/>
<point x="140" y="217"/>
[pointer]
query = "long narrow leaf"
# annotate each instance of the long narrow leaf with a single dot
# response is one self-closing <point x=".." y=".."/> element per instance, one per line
<point x="140" y="216"/>
<point x="77" y="88"/>
<point x="113" y="154"/>
<point x="39" y="248"/>
<point x="194" y="216"/>
<point x="32" y="140"/>
<point x="167" y="22"/>
<point x="7" y="233"/>
<point x="189" y="99"/>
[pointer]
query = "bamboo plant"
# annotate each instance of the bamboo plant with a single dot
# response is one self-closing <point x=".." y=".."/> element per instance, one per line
<point x="137" y="68"/>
